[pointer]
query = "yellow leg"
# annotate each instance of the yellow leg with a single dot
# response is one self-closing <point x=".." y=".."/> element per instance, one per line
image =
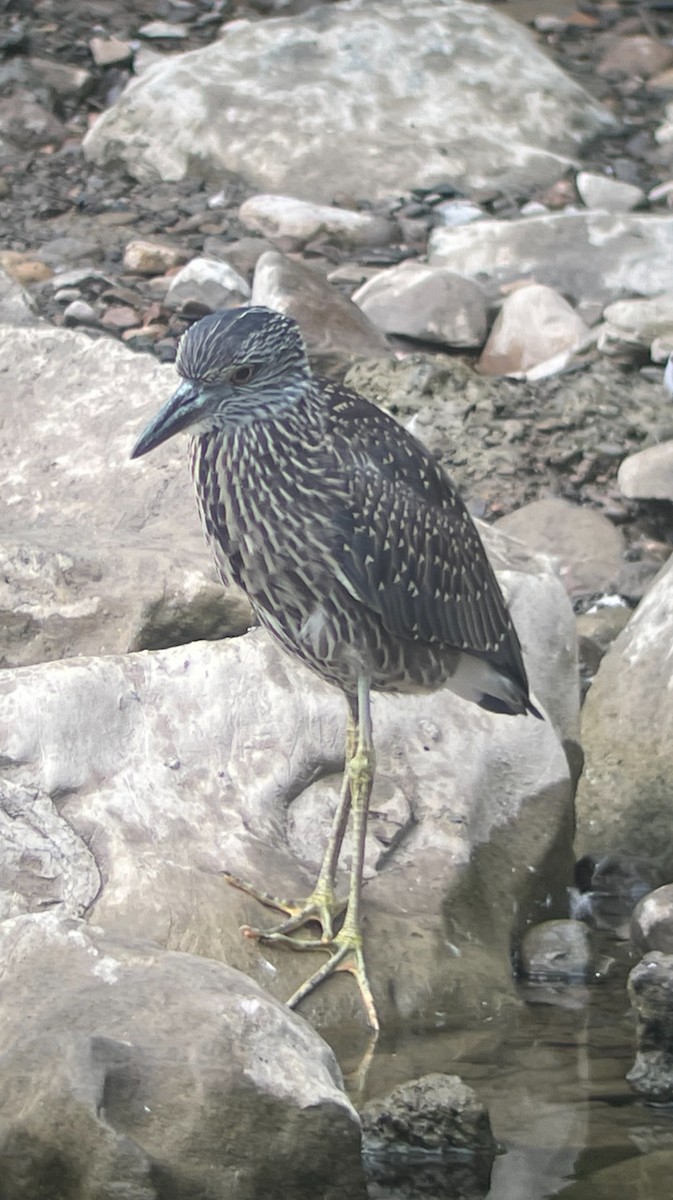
<point x="347" y="946"/>
<point x="322" y="906"/>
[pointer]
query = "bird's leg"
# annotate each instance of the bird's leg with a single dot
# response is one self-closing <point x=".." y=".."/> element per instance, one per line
<point x="347" y="945"/>
<point x="322" y="906"/>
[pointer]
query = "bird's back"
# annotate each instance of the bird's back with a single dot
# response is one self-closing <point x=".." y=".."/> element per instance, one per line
<point x="356" y="551"/>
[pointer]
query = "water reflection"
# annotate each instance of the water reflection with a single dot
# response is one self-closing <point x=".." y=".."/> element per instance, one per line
<point x="552" y="1078"/>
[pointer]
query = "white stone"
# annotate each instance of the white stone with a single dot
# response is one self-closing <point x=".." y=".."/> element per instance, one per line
<point x="457" y="212"/>
<point x="429" y="303"/>
<point x="301" y="222"/>
<point x="434" y="89"/>
<point x="611" y="195"/>
<point x="209" y="283"/>
<point x="637" y="322"/>
<point x="585" y="255"/>
<point x="534" y="325"/>
<point x="648" y="475"/>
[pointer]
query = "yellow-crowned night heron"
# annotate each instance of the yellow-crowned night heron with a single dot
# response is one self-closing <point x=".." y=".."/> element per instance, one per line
<point x="355" y="551"/>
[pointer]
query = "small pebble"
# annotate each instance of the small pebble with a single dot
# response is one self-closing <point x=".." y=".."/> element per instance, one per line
<point x="152" y="258"/>
<point x="164" y="29"/>
<point x="107" y="52"/>
<point x="79" y="312"/>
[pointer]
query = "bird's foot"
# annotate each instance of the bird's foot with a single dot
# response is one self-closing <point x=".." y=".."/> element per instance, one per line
<point x="346" y="954"/>
<point x="322" y="908"/>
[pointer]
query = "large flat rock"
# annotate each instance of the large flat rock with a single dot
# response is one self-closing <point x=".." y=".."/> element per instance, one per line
<point x="174" y="765"/>
<point x="365" y="98"/>
<point x="597" y="256"/>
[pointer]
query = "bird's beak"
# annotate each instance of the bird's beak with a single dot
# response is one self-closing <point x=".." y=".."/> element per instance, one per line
<point x="177" y="413"/>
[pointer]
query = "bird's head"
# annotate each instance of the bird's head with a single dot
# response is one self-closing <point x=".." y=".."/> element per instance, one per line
<point x="237" y="366"/>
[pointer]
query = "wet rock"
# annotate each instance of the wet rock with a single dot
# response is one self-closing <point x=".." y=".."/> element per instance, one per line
<point x="80" y="572"/>
<point x="298" y="222"/>
<point x="642" y="1175"/>
<point x="586" y="545"/>
<point x="534" y="325"/>
<point x="650" y="989"/>
<point x="612" y="195"/>
<point x="587" y="256"/>
<point x="297" y="134"/>
<point x="596" y="631"/>
<point x="26" y="124"/>
<point x="624" y="796"/>
<point x="427" y="303"/>
<point x="558" y="950"/>
<point x="439" y="1113"/>
<point x="648" y="475"/>
<point x="331" y="324"/>
<point x="609" y="888"/>
<point x="639" y="55"/>
<point x="206" y="284"/>
<point x="652" y="921"/>
<point x="216" y="741"/>
<point x="152" y="258"/>
<point x="143" y="1072"/>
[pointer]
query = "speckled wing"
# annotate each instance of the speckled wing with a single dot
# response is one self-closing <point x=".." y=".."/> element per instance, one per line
<point x="411" y="551"/>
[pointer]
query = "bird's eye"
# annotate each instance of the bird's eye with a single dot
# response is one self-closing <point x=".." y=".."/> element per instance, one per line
<point x="242" y="374"/>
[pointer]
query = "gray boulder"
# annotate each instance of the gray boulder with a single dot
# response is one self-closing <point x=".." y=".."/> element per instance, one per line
<point x="175" y="765"/>
<point x="586" y="546"/>
<point x="428" y="303"/>
<point x="288" y="103"/>
<point x="333" y="327"/>
<point x="91" y="561"/>
<point x="624" y="796"/>
<point x="142" y="1073"/>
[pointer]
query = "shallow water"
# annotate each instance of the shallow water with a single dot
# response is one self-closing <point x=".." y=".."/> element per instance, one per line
<point x="553" y="1082"/>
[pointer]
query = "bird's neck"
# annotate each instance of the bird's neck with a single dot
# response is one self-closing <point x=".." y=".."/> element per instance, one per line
<point x="291" y="437"/>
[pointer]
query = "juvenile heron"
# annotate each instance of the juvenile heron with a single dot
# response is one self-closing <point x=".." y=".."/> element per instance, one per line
<point x="356" y="553"/>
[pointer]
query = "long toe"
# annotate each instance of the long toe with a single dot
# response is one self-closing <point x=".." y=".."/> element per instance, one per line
<point x="321" y="908"/>
<point x="346" y="955"/>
